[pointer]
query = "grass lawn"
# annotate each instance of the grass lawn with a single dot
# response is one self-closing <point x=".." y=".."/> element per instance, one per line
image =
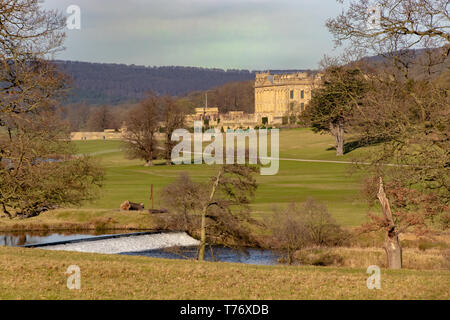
<point x="305" y="144"/>
<point x="40" y="274"/>
<point x="331" y="183"/>
<point x="127" y="179"/>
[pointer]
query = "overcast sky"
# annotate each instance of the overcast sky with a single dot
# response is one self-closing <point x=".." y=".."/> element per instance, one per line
<point x="228" y="34"/>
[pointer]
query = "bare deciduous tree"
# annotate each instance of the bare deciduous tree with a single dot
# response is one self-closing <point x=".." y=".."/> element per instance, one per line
<point x="406" y="109"/>
<point x="28" y="34"/>
<point x="101" y="118"/>
<point x="225" y="211"/>
<point x="221" y="205"/>
<point x="142" y="124"/>
<point x="183" y="198"/>
<point x="390" y="28"/>
<point x="174" y="118"/>
<point x="38" y="171"/>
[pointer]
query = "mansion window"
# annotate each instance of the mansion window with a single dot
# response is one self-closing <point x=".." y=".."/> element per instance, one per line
<point x="302" y="94"/>
<point x="302" y="106"/>
<point x="292" y="94"/>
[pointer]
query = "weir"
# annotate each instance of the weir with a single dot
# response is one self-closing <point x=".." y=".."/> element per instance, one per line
<point x="119" y="243"/>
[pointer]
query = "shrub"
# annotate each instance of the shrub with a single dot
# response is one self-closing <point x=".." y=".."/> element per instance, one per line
<point x="318" y="257"/>
<point x="321" y="229"/>
<point x="311" y="224"/>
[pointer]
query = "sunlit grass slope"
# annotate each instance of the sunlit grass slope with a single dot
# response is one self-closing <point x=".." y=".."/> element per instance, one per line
<point x="331" y="183"/>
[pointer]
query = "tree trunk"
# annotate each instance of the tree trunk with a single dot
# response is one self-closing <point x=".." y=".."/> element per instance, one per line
<point x="393" y="250"/>
<point x="201" y="254"/>
<point x="289" y="254"/>
<point x="168" y="156"/>
<point x="338" y="132"/>
<point x="186" y="220"/>
<point x="6" y="212"/>
<point x="150" y="155"/>
<point x="340" y="141"/>
<point x="168" y="149"/>
<point x="392" y="243"/>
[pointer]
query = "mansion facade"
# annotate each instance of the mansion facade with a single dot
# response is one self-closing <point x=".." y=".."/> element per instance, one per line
<point x="276" y="97"/>
<point x="281" y="94"/>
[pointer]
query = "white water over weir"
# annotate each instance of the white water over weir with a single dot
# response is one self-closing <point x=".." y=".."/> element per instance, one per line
<point x="127" y="243"/>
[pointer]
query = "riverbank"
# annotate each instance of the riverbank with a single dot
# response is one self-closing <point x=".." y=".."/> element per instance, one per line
<point x="40" y="274"/>
<point x="82" y="219"/>
<point x="418" y="254"/>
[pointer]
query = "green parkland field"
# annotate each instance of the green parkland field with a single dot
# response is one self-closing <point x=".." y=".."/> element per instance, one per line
<point x="332" y="183"/>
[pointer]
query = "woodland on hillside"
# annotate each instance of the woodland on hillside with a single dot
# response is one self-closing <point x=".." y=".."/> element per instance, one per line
<point x="228" y="97"/>
<point x="98" y="83"/>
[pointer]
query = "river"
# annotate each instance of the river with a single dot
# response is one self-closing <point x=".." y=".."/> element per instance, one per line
<point x="216" y="253"/>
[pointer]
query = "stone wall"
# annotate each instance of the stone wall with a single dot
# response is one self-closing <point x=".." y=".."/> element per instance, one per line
<point x="96" y="135"/>
<point x="106" y="135"/>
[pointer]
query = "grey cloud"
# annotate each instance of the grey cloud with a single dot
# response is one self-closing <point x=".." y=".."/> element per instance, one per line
<point x="251" y="34"/>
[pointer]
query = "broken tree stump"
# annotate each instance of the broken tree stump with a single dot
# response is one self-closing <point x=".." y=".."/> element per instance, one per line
<point x="391" y="242"/>
<point x="131" y="206"/>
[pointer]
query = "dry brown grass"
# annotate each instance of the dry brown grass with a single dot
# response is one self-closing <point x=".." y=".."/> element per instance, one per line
<point x="419" y="253"/>
<point x="40" y="274"/>
<point x="432" y="259"/>
<point x="82" y="219"/>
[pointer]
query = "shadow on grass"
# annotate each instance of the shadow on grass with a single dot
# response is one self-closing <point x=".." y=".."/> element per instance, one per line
<point x="355" y="144"/>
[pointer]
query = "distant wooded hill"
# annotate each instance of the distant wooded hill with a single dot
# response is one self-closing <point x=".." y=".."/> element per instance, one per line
<point x="112" y="84"/>
<point x="421" y="63"/>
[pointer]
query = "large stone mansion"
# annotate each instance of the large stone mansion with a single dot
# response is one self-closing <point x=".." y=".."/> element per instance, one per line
<point x="281" y="94"/>
<point x="276" y="96"/>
